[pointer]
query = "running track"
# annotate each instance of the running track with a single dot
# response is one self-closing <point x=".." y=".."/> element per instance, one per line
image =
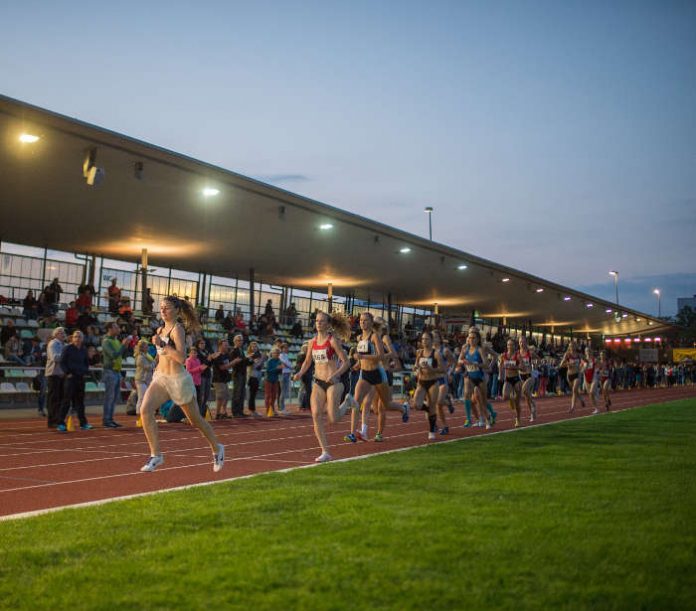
<point x="41" y="469"/>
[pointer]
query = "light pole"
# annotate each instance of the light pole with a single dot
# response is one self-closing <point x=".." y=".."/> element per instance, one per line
<point x="659" y="310"/>
<point x="616" y="283"/>
<point x="429" y="210"/>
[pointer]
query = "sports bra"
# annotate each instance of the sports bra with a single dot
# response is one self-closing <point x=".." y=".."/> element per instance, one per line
<point x="427" y="360"/>
<point x="167" y="340"/>
<point x="511" y="361"/>
<point x="526" y="360"/>
<point x="323" y="353"/>
<point x="476" y="357"/>
<point x="366" y="346"/>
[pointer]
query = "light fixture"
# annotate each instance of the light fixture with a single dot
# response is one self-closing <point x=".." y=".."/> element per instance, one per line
<point x="210" y="191"/>
<point x="589" y="305"/>
<point x="29" y="138"/>
<point x="505" y="280"/>
<point x="650" y="322"/>
<point x="624" y="315"/>
<point x="462" y="266"/>
<point x="325" y="226"/>
<point x="404" y="250"/>
<point x="608" y="310"/>
<point x="540" y="290"/>
<point x="566" y="298"/>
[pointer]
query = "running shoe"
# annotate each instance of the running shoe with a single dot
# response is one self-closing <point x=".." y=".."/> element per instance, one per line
<point x="86" y="427"/>
<point x="517" y="423"/>
<point x="219" y="458"/>
<point x="450" y="405"/>
<point x="360" y="436"/>
<point x="152" y="463"/>
<point x="431" y="436"/>
<point x="488" y="425"/>
<point x="42" y="413"/>
<point x="350" y="437"/>
<point x="467" y="423"/>
<point x="407" y="410"/>
<point x="323" y="457"/>
<point x="378" y="437"/>
<point x="444" y="430"/>
<point x="61" y="428"/>
<point x="595" y="411"/>
<point x="256" y="415"/>
<point x="534" y="412"/>
<point x="494" y="415"/>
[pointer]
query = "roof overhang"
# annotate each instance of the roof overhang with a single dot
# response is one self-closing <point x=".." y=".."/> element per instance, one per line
<point x="46" y="202"/>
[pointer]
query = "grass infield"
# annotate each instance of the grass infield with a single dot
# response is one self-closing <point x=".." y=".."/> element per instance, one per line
<point x="591" y="513"/>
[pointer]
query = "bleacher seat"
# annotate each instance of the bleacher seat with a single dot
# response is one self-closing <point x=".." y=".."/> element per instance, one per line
<point x="31" y="373"/>
<point x="7" y="387"/>
<point x="32" y="324"/>
<point x="26" y="334"/>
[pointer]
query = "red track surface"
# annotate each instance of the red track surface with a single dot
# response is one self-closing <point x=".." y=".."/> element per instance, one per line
<point x="42" y="469"/>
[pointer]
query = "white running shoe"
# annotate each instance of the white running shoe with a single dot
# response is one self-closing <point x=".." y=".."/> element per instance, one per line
<point x="219" y="458"/>
<point x="595" y="411"/>
<point x="324" y="457"/>
<point x="432" y="436"/>
<point x="152" y="463"/>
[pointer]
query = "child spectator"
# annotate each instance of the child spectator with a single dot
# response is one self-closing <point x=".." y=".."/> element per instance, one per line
<point x="271" y="387"/>
<point x="195" y="368"/>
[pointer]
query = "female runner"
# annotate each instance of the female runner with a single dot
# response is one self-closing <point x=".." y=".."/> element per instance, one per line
<point x="589" y="370"/>
<point x="443" y="383"/>
<point x="429" y="368"/>
<point x="571" y="359"/>
<point x="370" y="353"/>
<point x="526" y="355"/>
<point x="604" y="367"/>
<point x="172" y="381"/>
<point x="474" y="358"/>
<point x="510" y="373"/>
<point x="330" y="362"/>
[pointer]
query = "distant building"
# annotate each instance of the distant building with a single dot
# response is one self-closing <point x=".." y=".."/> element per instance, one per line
<point x="686" y="301"/>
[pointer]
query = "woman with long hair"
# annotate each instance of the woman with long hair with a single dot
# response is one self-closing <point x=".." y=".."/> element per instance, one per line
<point x="429" y="369"/>
<point x="589" y="372"/>
<point x="172" y="381"/>
<point x="527" y="356"/>
<point x="330" y="362"/>
<point x="571" y="359"/>
<point x="510" y="375"/>
<point x="474" y="357"/>
<point x="370" y="354"/>
<point x="443" y="383"/>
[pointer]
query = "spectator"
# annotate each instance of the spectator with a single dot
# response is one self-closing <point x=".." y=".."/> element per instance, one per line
<point x="54" y="376"/>
<point x="125" y="310"/>
<point x="84" y="298"/>
<point x="196" y="368"/>
<point x="112" y="353"/>
<point x="93" y="356"/>
<point x="86" y="319"/>
<point x="271" y="387"/>
<point x="13" y="351"/>
<point x="204" y="351"/>
<point x="284" y="391"/>
<point x="91" y="337"/>
<point x="75" y="366"/>
<point x="114" y="297"/>
<point x="268" y="312"/>
<point x="290" y="314"/>
<point x="239" y="363"/>
<point x="228" y="322"/>
<point x="255" y="362"/>
<point x="144" y="364"/>
<point x="221" y="378"/>
<point x="148" y="302"/>
<point x="31" y="306"/>
<point x="306" y="380"/>
<point x="52" y="294"/>
<point x="71" y="315"/>
<point x="8" y="331"/>
<point x="220" y="314"/>
<point x="240" y="325"/>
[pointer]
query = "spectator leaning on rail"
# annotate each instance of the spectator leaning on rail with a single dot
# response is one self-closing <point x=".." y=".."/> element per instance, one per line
<point x="75" y="366"/>
<point x="54" y="376"/>
<point x="112" y="353"/>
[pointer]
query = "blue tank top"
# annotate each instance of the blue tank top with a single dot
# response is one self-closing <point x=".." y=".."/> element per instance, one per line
<point x="474" y="371"/>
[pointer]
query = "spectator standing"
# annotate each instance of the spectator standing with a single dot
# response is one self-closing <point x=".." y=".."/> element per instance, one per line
<point x="255" y="362"/>
<point x="239" y="363"/>
<point x="220" y="314"/>
<point x="221" y="365"/>
<point x="203" y="349"/>
<point x="31" y="306"/>
<point x="148" y="302"/>
<point x="114" y="297"/>
<point x="71" y="315"/>
<point x="274" y="367"/>
<point x="75" y="367"/>
<point x="8" y="331"/>
<point x="112" y="354"/>
<point x="54" y="376"/>
<point x="285" y="382"/>
<point x="196" y="368"/>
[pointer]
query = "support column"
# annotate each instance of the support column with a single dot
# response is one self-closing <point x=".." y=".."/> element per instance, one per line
<point x="251" y="293"/>
<point x="330" y="295"/>
<point x="143" y="278"/>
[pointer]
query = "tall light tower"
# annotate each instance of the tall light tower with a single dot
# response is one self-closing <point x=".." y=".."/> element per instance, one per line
<point x="616" y="283"/>
<point x="429" y="210"/>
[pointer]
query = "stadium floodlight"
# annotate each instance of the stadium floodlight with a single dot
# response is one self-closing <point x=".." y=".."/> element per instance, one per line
<point x="210" y="191"/>
<point x="29" y="138"/>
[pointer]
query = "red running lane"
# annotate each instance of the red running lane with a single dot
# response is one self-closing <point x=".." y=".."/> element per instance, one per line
<point x="41" y="469"/>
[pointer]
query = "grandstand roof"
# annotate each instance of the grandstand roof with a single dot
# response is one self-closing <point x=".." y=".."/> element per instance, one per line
<point x="45" y="201"/>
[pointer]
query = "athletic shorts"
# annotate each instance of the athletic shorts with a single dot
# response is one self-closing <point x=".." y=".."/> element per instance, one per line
<point x="179" y="387"/>
<point x="427" y="384"/>
<point x="374" y="376"/>
<point x="572" y="377"/>
<point x="513" y="381"/>
<point x="222" y="392"/>
<point x="476" y="381"/>
<point x="323" y="384"/>
<point x="525" y="376"/>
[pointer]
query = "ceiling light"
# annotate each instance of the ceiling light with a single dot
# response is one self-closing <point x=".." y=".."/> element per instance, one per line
<point x="590" y="305"/>
<point x="405" y="250"/>
<point x="650" y="322"/>
<point x="325" y="226"/>
<point x="210" y="191"/>
<point x="608" y="310"/>
<point x="566" y="298"/>
<point x="540" y="290"/>
<point x="505" y="280"/>
<point x="29" y="138"/>
<point x="462" y="266"/>
<point x="624" y="315"/>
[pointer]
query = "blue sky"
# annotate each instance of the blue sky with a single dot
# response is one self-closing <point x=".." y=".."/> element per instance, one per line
<point x="555" y="137"/>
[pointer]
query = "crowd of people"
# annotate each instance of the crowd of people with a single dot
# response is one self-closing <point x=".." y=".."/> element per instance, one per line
<point x="346" y="367"/>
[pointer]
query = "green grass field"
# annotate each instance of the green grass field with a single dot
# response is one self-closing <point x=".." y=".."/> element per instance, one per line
<point x="593" y="513"/>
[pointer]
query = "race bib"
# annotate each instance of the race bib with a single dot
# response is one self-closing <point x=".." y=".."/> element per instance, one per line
<point x="363" y="346"/>
<point x="320" y="356"/>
